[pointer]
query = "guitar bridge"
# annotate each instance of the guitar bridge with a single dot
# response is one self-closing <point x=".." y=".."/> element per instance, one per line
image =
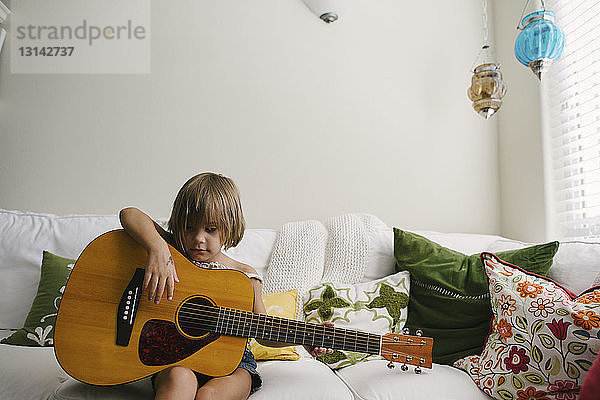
<point x="128" y="306"/>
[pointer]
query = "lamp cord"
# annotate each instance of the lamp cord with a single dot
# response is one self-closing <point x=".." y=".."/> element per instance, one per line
<point x="485" y="44"/>
<point x="485" y="23"/>
<point x="520" y="25"/>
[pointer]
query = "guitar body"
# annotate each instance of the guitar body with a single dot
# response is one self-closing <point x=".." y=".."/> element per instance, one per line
<point x="97" y="341"/>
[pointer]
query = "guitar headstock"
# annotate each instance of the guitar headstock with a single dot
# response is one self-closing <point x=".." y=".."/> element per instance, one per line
<point x="407" y="349"/>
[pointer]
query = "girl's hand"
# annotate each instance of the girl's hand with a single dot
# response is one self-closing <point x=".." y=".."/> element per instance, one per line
<point x="319" y="351"/>
<point x="160" y="273"/>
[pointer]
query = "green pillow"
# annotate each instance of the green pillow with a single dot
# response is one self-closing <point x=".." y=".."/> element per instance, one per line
<point x="449" y="296"/>
<point x="39" y="324"/>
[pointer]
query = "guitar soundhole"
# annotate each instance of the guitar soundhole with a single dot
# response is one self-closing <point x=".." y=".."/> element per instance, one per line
<point x="197" y="316"/>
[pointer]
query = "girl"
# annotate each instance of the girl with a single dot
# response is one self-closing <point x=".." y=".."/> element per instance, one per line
<point x="206" y="217"/>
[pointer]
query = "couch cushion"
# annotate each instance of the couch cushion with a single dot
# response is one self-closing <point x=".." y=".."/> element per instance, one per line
<point x="254" y="249"/>
<point x="4" y="333"/>
<point x="23" y="237"/>
<point x="28" y="373"/>
<point x="449" y="297"/>
<point x="39" y="325"/>
<point x="299" y="380"/>
<point x="542" y="338"/>
<point x="74" y="390"/>
<point x="372" y="380"/>
<point x="381" y="253"/>
<point x="282" y="380"/>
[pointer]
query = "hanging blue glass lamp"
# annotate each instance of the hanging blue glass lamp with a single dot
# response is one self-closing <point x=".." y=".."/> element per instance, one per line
<point x="540" y="41"/>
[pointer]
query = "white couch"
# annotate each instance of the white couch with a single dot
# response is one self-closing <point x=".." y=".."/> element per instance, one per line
<point x="33" y="373"/>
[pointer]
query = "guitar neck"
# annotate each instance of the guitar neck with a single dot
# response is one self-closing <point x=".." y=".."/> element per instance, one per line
<point x="239" y="323"/>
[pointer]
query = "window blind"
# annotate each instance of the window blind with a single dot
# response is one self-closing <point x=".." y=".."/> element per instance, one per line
<point x="572" y="108"/>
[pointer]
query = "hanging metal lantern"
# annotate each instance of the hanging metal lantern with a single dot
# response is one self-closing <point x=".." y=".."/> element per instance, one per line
<point x="487" y="89"/>
<point x="540" y="42"/>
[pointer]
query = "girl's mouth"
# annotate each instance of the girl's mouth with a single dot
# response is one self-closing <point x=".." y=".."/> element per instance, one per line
<point x="198" y="251"/>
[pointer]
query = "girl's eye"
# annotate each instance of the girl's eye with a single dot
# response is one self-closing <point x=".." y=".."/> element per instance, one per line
<point x="211" y="229"/>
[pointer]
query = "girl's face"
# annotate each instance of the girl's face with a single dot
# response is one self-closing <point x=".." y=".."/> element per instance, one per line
<point x="203" y="243"/>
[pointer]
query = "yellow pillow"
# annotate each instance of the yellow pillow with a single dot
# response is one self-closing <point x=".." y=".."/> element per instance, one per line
<point x="282" y="304"/>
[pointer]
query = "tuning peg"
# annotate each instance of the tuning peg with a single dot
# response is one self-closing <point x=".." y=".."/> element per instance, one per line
<point x="390" y="365"/>
<point x="406" y="331"/>
<point x="404" y="367"/>
<point x="419" y="332"/>
<point x="418" y="370"/>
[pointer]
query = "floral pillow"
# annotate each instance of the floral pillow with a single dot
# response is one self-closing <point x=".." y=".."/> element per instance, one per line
<point x="378" y="307"/>
<point x="543" y="339"/>
<point x="38" y="329"/>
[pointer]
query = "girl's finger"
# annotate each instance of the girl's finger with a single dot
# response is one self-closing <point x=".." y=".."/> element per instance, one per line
<point x="170" y="288"/>
<point x="147" y="277"/>
<point x="160" y="289"/>
<point x="152" y="287"/>
<point x="175" y="277"/>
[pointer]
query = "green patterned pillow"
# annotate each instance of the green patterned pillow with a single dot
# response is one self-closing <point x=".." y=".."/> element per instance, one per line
<point x="449" y="296"/>
<point x="39" y="324"/>
<point x="378" y="307"/>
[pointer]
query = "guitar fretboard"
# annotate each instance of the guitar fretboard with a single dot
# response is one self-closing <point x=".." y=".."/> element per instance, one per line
<point x="240" y="323"/>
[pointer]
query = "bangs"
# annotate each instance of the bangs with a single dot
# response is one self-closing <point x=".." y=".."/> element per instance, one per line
<point x="204" y="211"/>
<point x="204" y="200"/>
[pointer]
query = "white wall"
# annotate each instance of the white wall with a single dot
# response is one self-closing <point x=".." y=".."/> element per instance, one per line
<point x="311" y="120"/>
<point x="523" y="207"/>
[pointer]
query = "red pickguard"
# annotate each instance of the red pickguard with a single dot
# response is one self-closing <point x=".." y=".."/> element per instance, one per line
<point x="162" y="344"/>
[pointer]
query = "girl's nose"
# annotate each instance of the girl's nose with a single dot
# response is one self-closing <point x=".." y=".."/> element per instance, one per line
<point x="199" y="237"/>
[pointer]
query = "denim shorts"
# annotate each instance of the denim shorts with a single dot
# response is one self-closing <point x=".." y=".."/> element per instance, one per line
<point x="248" y="363"/>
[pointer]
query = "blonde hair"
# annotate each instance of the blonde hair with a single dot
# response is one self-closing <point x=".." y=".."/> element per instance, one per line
<point x="208" y="198"/>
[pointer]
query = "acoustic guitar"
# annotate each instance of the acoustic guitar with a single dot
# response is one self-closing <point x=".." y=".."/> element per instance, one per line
<point x="107" y="334"/>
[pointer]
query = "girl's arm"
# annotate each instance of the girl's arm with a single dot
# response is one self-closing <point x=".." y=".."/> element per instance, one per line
<point x="259" y="308"/>
<point x="160" y="268"/>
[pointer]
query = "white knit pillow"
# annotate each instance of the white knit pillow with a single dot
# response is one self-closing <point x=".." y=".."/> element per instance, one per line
<point x="348" y="247"/>
<point x="297" y="260"/>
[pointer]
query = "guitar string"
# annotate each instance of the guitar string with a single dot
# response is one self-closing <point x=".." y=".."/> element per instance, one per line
<point x="252" y="325"/>
<point x="215" y="311"/>
<point x="227" y="323"/>
<point x="361" y="338"/>
<point x="382" y="352"/>
<point x="238" y="322"/>
<point x="248" y="319"/>
<point x="389" y="353"/>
